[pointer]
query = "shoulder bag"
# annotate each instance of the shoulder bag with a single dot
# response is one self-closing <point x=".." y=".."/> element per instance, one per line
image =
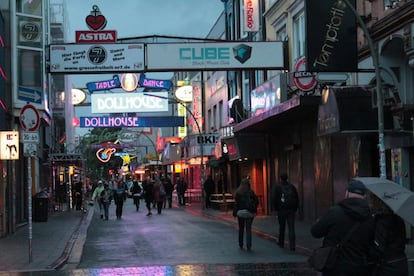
<point x="324" y="258"/>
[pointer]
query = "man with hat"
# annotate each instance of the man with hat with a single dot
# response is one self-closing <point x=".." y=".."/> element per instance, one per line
<point x="96" y="196"/>
<point x="339" y="221"/>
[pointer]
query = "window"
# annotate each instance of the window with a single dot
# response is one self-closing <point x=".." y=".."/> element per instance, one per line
<point x="298" y="43"/>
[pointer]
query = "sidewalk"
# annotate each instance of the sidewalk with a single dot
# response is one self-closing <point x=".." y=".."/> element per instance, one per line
<point x="62" y="236"/>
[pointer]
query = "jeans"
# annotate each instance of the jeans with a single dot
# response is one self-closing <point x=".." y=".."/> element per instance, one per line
<point x="181" y="199"/>
<point x="245" y="224"/>
<point x="137" y="201"/>
<point x="101" y="207"/>
<point x="288" y="216"/>
<point x="167" y="198"/>
<point x="106" y="208"/>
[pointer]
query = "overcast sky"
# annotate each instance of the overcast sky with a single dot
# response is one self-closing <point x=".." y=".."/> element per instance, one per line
<point x="131" y="18"/>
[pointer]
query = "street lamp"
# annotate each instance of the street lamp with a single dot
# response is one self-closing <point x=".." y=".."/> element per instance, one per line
<point x="177" y="101"/>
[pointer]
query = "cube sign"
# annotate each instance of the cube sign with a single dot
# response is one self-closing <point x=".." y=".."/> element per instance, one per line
<point x="9" y="142"/>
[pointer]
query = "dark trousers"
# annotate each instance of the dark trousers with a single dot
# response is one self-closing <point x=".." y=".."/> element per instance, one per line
<point x="159" y="206"/>
<point x="137" y="201"/>
<point x="287" y="216"/>
<point x="106" y="208"/>
<point x="181" y="199"/>
<point x="168" y="198"/>
<point x="208" y="202"/>
<point x="119" y="207"/>
<point x="245" y="224"/>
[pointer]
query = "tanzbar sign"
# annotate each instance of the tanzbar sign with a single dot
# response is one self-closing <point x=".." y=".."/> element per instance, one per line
<point x="228" y="55"/>
<point x="130" y="121"/>
<point x="128" y="102"/>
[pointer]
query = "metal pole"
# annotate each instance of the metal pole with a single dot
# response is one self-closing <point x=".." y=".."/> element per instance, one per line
<point x="378" y="88"/>
<point x="29" y="204"/>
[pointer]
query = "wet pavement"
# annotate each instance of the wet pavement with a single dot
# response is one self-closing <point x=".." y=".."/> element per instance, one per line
<point x="57" y="247"/>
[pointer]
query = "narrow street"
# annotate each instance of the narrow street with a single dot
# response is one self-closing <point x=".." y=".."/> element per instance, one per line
<point x="177" y="239"/>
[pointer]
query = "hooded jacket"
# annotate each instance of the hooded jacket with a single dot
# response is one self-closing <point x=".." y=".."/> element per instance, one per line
<point x="335" y="225"/>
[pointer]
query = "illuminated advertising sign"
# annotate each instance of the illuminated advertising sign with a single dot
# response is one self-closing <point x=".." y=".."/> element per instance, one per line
<point x="86" y="58"/>
<point x="226" y="55"/>
<point x="128" y="102"/>
<point x="151" y="83"/>
<point x="129" y="121"/>
<point x="251" y="16"/>
<point x="104" y="85"/>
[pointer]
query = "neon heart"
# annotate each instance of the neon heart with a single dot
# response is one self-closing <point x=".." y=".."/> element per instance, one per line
<point x="96" y="23"/>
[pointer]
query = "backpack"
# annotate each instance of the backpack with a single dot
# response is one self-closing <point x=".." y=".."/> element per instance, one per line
<point x="288" y="196"/>
<point x="162" y="190"/>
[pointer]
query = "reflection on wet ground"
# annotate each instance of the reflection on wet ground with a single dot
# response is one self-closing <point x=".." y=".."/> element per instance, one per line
<point x="299" y="269"/>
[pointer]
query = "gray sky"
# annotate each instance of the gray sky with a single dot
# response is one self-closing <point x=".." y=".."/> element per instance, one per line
<point x="130" y="18"/>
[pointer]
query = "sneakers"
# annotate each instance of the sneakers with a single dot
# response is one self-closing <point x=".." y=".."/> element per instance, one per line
<point x="149" y="214"/>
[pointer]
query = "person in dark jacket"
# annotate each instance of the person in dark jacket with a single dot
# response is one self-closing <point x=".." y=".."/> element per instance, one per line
<point x="148" y="187"/>
<point x="169" y="188"/>
<point x="338" y="221"/>
<point x="136" y="191"/>
<point x="244" y="212"/>
<point x="388" y="252"/>
<point x="181" y="189"/>
<point x="208" y="189"/>
<point x="286" y="203"/>
<point x="120" y="195"/>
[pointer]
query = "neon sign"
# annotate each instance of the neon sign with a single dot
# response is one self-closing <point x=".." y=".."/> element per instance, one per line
<point x="152" y="83"/>
<point x="104" y="85"/>
<point x="105" y="154"/>
<point x="125" y="121"/>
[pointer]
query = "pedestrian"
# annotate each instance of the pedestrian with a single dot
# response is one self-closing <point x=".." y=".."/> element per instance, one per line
<point x="286" y="203"/>
<point x="120" y="195"/>
<point x="388" y="254"/>
<point x="340" y="219"/>
<point x="181" y="189"/>
<point x="169" y="188"/>
<point x="208" y="189"/>
<point x="147" y="186"/>
<point x="159" y="195"/>
<point x="136" y="191"/>
<point x="245" y="208"/>
<point x="96" y="197"/>
<point x="78" y="195"/>
<point x="106" y="198"/>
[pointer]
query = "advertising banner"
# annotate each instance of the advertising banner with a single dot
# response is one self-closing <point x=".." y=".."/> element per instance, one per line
<point x="331" y="36"/>
<point x="87" y="58"/>
<point x="216" y="56"/>
<point x="9" y="142"/>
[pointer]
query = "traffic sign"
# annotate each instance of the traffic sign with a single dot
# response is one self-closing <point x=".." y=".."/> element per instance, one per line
<point x="29" y="137"/>
<point x="29" y="118"/>
<point x="303" y="80"/>
<point x="29" y="95"/>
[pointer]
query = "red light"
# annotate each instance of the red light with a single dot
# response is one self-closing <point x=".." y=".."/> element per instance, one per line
<point x="75" y="122"/>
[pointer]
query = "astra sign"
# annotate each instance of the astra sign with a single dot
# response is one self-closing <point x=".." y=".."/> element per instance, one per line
<point x="129" y="121"/>
<point x="131" y="102"/>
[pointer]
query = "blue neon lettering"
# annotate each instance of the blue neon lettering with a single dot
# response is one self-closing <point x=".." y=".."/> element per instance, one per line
<point x="204" y="53"/>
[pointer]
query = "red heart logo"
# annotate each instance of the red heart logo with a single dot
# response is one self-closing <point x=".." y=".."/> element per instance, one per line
<point x="96" y="23"/>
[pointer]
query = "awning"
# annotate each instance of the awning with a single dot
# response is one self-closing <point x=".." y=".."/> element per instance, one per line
<point x="349" y="110"/>
<point x="284" y="113"/>
<point x="241" y="146"/>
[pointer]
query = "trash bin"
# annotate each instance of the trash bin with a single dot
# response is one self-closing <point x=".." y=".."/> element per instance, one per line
<point x="40" y="209"/>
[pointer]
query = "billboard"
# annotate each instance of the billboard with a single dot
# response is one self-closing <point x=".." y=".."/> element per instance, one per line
<point x="87" y="58"/>
<point x="216" y="56"/>
<point x="331" y="36"/>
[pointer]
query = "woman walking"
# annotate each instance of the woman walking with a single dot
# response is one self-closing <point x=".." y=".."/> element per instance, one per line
<point x="245" y="208"/>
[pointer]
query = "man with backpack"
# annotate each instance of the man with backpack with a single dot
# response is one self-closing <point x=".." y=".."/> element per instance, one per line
<point x="286" y="203"/>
